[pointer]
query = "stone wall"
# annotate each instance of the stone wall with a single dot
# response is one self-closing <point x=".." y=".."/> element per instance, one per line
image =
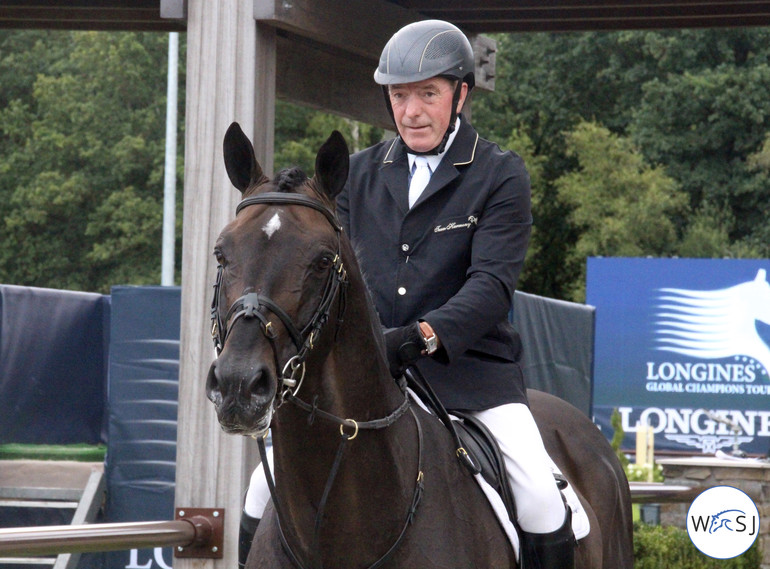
<point x="751" y="476"/>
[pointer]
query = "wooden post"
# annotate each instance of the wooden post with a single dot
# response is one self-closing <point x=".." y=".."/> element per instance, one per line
<point x="212" y="468"/>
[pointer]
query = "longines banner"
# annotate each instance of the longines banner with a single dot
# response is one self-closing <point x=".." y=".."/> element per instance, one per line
<point x="683" y="345"/>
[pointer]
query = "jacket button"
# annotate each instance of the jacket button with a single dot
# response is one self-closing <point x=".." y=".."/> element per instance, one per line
<point x="401" y="291"/>
<point x="405" y="247"/>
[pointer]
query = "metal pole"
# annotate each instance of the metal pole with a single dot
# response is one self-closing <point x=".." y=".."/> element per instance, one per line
<point x="169" y="180"/>
<point x="659" y="493"/>
<point x="49" y="540"/>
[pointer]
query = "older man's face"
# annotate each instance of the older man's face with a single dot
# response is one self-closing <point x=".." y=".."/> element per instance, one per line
<point x="423" y="109"/>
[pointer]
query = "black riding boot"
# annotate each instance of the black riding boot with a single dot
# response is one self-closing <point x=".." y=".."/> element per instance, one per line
<point x="555" y="550"/>
<point x="245" y="536"/>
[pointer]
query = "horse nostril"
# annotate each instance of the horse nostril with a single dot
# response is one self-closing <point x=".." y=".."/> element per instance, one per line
<point x="258" y="384"/>
<point x="213" y="391"/>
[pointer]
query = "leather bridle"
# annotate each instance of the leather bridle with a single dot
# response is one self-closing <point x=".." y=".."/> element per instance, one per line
<point x="255" y="305"/>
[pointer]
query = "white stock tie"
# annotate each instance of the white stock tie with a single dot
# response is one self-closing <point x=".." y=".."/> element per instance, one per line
<point x="420" y="178"/>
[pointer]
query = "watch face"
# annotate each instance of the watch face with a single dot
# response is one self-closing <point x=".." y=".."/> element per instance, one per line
<point x="431" y="345"/>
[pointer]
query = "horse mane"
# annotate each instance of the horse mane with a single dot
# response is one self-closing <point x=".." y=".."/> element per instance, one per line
<point x="289" y="179"/>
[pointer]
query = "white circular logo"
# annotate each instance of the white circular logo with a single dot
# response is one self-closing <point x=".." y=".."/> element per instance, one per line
<point x="723" y="522"/>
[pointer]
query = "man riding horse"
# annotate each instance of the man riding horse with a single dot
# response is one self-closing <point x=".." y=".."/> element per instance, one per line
<point x="440" y="219"/>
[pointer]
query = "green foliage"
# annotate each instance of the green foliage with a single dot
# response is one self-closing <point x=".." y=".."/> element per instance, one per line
<point x="617" y="437"/>
<point x="692" y="102"/>
<point x="300" y="132"/>
<point x="644" y="472"/>
<point x="620" y="205"/>
<point x="671" y="547"/>
<point x="82" y="154"/>
<point x="638" y="143"/>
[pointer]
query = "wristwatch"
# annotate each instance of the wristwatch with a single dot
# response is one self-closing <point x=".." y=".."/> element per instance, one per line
<point x="431" y="342"/>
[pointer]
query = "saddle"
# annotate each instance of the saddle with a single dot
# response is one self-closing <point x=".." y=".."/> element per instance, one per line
<point x="477" y="448"/>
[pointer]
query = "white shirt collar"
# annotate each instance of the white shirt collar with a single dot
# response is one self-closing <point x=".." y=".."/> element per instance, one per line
<point x="435" y="159"/>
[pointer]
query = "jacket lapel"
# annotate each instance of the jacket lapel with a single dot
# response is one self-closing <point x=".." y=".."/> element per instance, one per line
<point x="395" y="167"/>
<point x="395" y="174"/>
<point x="461" y="152"/>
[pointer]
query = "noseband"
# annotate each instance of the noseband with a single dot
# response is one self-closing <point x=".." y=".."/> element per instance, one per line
<point x="255" y="305"/>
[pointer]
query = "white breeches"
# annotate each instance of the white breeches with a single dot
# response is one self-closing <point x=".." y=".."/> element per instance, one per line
<point x="539" y="505"/>
<point x="258" y="493"/>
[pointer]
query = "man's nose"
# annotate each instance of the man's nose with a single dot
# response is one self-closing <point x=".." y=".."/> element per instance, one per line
<point x="413" y="106"/>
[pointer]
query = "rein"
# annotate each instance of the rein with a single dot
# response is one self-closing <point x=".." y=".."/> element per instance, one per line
<point x="345" y="438"/>
<point x="251" y="305"/>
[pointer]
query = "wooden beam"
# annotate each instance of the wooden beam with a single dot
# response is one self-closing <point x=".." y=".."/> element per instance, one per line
<point x="222" y="43"/>
<point x="470" y="7"/>
<point x="571" y="24"/>
<point x="361" y="28"/>
<point x="321" y="79"/>
<point x="585" y="15"/>
<point x="84" y="15"/>
<point x="357" y="29"/>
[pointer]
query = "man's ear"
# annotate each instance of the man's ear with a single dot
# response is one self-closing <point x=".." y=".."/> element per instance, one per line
<point x="463" y="97"/>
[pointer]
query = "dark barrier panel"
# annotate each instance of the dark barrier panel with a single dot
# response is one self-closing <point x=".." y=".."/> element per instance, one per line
<point x="141" y="449"/>
<point x="558" y="344"/>
<point x="52" y="365"/>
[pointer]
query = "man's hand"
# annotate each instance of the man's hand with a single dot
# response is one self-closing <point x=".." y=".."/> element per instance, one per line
<point x="404" y="346"/>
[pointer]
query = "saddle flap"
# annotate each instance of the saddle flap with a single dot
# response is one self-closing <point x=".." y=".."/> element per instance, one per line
<point x="479" y="443"/>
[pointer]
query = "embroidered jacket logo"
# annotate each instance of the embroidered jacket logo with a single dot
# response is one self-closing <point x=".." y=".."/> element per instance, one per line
<point x="472" y="220"/>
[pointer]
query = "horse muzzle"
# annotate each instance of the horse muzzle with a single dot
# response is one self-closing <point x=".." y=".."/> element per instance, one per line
<point x="242" y="395"/>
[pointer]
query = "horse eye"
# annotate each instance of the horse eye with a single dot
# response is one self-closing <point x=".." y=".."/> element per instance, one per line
<point x="324" y="263"/>
<point x="219" y="257"/>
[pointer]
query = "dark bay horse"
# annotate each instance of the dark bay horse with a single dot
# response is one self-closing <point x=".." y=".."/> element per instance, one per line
<point x="363" y="478"/>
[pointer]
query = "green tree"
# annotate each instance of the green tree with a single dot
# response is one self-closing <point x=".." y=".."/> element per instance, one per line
<point x="693" y="102"/>
<point x="620" y="205"/>
<point x="81" y="175"/>
<point x="300" y="132"/>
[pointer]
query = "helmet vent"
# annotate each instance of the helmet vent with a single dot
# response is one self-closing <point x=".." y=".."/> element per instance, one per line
<point x="443" y="44"/>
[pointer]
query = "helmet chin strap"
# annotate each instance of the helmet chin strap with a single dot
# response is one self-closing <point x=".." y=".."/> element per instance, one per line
<point x="450" y="129"/>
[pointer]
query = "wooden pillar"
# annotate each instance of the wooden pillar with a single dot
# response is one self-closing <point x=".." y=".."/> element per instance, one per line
<point x="226" y="59"/>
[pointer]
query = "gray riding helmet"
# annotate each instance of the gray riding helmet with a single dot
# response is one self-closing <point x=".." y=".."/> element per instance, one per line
<point x="422" y="50"/>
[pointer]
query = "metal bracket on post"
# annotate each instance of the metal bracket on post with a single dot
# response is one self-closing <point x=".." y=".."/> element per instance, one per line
<point x="209" y="524"/>
<point x="484" y="52"/>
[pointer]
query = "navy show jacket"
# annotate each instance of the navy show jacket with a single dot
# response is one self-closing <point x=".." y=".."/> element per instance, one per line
<point x="452" y="260"/>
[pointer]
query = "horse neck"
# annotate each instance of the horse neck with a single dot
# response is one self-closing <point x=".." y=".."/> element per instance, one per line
<point x="354" y="375"/>
<point x="357" y="476"/>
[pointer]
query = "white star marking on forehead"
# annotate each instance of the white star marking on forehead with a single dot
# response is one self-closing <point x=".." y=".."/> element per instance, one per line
<point x="272" y="226"/>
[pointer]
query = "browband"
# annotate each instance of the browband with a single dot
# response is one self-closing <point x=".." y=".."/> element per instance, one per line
<point x="278" y="198"/>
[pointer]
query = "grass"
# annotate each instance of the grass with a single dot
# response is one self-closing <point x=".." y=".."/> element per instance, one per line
<point x="77" y="452"/>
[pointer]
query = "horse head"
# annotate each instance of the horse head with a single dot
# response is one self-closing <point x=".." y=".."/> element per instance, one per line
<point x="279" y="279"/>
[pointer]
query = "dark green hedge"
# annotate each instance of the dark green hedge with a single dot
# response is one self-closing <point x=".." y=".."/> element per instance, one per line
<point x="657" y="547"/>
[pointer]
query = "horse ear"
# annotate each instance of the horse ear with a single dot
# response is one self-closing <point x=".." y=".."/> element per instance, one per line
<point x="240" y="161"/>
<point x="331" y="165"/>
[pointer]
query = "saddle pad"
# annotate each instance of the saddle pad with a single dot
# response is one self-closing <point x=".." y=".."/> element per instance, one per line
<point x="580" y="524"/>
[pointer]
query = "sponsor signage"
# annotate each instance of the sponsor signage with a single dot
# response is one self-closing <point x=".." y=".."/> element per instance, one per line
<point x="683" y="345"/>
